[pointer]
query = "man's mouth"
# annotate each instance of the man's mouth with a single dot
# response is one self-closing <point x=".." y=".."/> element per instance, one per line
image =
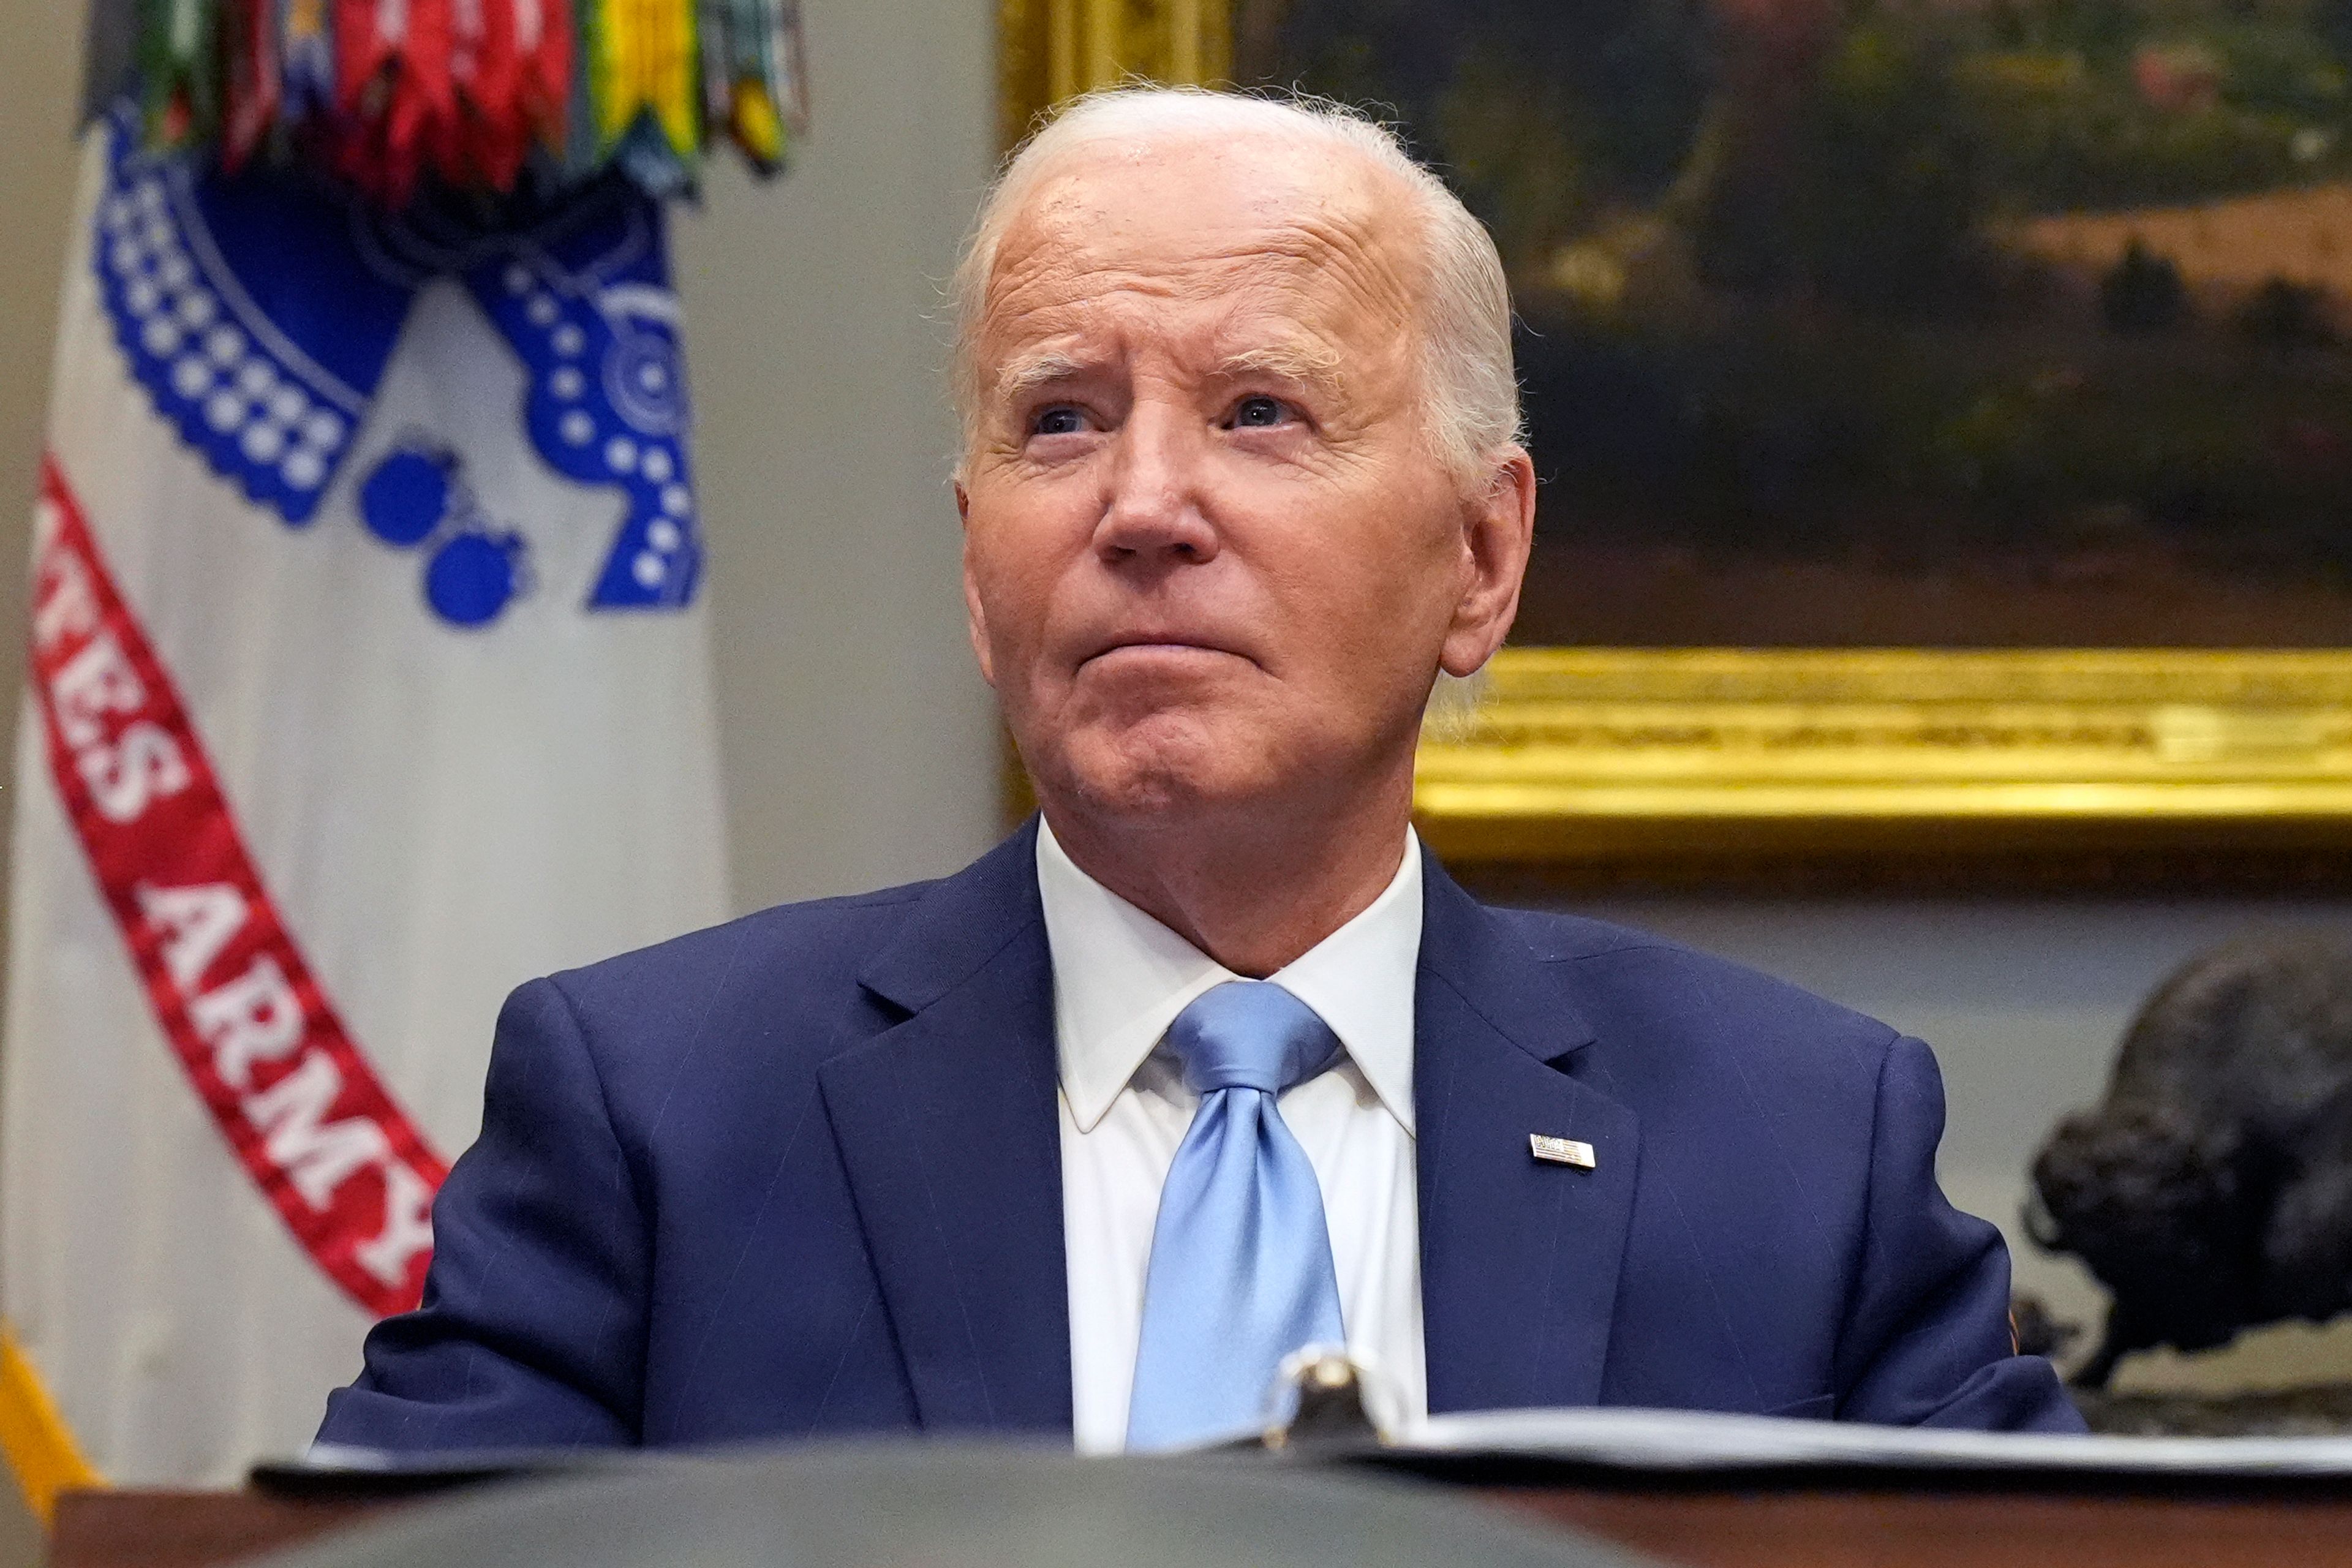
<point x="1158" y="646"/>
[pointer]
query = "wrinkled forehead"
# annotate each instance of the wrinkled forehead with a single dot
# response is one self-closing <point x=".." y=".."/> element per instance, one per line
<point x="1304" y="239"/>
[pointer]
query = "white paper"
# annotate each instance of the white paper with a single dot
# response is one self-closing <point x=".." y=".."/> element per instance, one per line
<point x="1700" y="1441"/>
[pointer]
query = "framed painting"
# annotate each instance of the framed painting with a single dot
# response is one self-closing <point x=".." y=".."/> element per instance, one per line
<point x="1944" y="409"/>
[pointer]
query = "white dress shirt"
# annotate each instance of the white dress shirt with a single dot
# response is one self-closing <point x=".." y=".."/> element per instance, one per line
<point x="1120" y="979"/>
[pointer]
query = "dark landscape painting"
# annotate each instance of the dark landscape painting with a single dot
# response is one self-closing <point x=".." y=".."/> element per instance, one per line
<point x="1961" y="323"/>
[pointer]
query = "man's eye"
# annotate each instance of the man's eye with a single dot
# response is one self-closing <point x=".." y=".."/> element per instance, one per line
<point x="1257" y="413"/>
<point x="1059" y="420"/>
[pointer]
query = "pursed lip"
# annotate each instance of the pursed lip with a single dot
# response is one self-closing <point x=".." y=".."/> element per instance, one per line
<point x="1161" y="642"/>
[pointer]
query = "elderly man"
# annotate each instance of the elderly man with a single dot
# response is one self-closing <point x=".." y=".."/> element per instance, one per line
<point x="1212" y="1062"/>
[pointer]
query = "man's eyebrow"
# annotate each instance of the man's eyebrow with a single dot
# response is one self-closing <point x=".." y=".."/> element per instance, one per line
<point x="1308" y="365"/>
<point x="1027" y="374"/>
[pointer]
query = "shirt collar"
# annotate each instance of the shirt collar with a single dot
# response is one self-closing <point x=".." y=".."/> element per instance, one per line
<point x="1120" y="977"/>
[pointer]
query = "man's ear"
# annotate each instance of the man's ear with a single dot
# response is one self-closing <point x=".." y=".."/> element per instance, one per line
<point x="1499" y="530"/>
<point x="975" y="615"/>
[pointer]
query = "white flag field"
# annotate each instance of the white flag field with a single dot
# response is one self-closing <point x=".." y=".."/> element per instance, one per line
<point x="368" y="679"/>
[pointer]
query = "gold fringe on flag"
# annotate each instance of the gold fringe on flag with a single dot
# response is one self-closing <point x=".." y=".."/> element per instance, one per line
<point x="40" y="1450"/>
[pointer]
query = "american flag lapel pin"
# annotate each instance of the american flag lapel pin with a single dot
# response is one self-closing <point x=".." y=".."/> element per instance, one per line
<point x="1562" y="1151"/>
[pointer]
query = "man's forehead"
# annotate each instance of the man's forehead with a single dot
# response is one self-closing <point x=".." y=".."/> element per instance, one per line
<point x="1252" y="248"/>
<point x="1132" y="184"/>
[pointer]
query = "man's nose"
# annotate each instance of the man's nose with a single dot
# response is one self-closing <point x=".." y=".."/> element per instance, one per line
<point x="1152" y="514"/>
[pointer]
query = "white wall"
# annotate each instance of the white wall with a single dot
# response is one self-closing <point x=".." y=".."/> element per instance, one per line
<point x="40" y="69"/>
<point x="40" y="82"/>
<point x="859" y="744"/>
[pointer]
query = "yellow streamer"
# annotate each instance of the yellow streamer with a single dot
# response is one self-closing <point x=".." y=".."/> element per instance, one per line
<point x="756" y="124"/>
<point x="645" y="61"/>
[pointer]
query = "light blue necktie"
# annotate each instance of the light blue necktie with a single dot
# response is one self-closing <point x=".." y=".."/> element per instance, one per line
<point x="1241" y="1269"/>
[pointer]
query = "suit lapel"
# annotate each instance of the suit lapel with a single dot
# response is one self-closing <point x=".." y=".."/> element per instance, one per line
<point x="1519" y="1257"/>
<point x="948" y="1128"/>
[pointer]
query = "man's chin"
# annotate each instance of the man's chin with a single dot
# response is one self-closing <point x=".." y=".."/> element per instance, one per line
<point x="1164" y="775"/>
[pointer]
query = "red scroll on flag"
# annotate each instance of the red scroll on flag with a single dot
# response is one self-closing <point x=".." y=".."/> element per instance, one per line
<point x="249" y="1020"/>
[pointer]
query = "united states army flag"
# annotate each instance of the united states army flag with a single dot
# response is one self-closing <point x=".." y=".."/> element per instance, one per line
<point x="367" y="681"/>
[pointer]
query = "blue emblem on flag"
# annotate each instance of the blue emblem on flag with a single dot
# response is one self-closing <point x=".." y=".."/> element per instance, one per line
<point x="259" y="314"/>
<point x="415" y="497"/>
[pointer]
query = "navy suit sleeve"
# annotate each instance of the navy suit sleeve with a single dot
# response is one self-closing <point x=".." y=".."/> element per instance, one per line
<point x="533" y="1329"/>
<point x="1927" y="1340"/>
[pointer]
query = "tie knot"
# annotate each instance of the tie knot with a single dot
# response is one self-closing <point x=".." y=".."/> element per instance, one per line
<point x="1249" y="1034"/>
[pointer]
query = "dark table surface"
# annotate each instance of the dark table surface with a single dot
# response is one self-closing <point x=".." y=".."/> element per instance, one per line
<point x="1751" y="1524"/>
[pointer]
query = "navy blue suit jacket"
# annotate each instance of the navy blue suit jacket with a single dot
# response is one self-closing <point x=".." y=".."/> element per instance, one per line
<point x="801" y="1176"/>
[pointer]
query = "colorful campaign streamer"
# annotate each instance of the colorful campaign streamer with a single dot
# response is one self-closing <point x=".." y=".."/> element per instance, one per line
<point x="305" y="60"/>
<point x="752" y="75"/>
<point x="179" y="60"/>
<point x="472" y="96"/>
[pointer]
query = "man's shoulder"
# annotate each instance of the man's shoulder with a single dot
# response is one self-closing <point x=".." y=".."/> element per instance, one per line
<point x="809" y="948"/>
<point x="1650" y="998"/>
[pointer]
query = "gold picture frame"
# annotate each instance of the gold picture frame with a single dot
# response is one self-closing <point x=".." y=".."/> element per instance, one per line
<point x="1050" y="50"/>
<point x="1846" y="767"/>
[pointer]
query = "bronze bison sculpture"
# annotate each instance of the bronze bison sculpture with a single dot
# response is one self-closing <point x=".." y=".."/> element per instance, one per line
<point x="2212" y="1189"/>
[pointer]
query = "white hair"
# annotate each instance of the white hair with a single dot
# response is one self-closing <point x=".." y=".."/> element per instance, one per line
<point x="1470" y="391"/>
